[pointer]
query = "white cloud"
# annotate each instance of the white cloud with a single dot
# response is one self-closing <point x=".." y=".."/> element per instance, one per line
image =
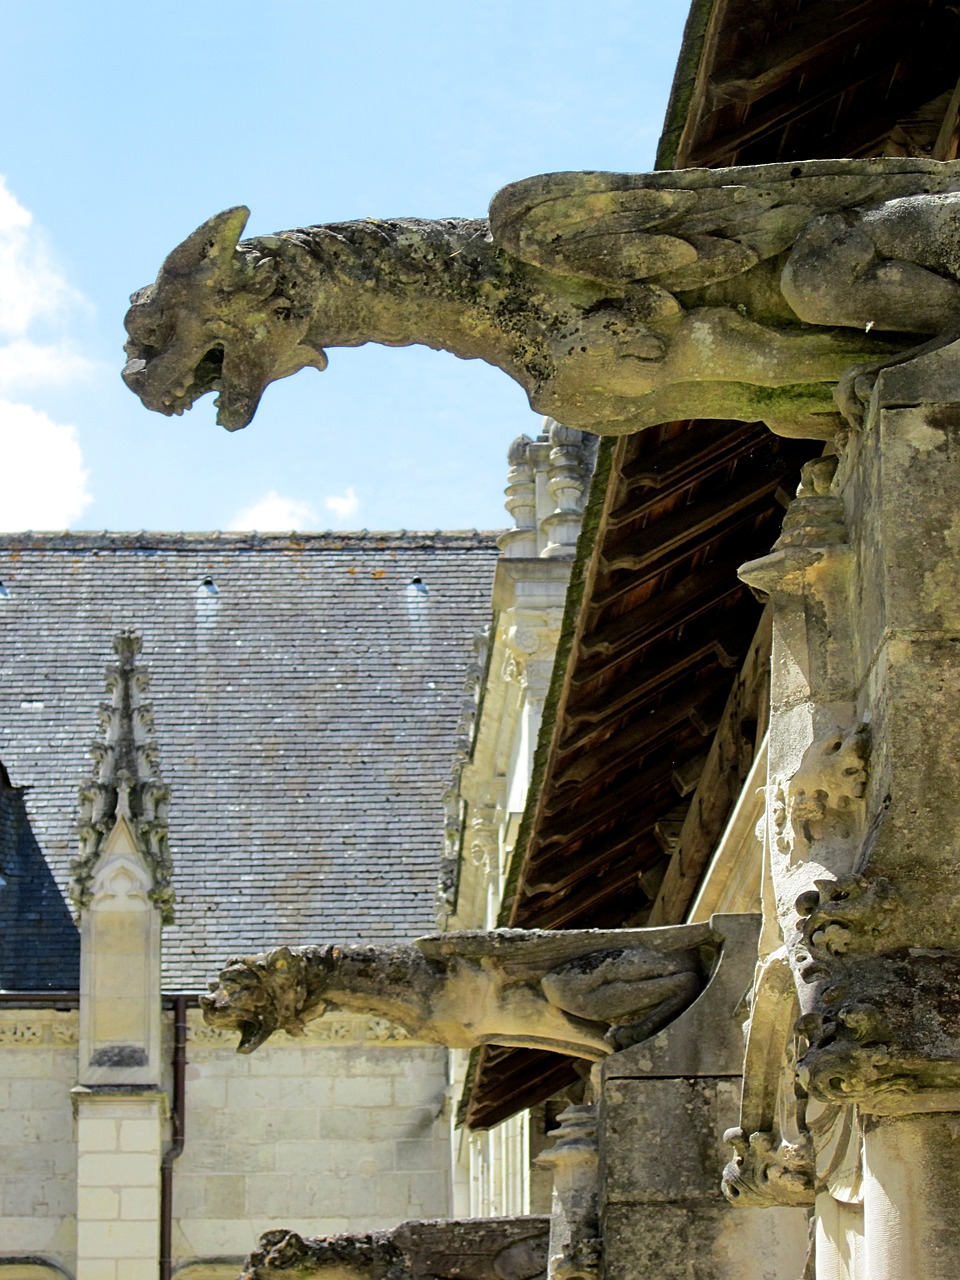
<point x="275" y="512"/>
<point x="31" y="286"/>
<point x="344" y="506"/>
<point x="43" y="483"/>
<point x="26" y="364"/>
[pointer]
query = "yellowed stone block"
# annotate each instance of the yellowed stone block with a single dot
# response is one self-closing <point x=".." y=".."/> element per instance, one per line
<point x="120" y="1170"/>
<point x="97" y="1269"/>
<point x="97" y="1203"/>
<point x="120" y="1019"/>
<point x="145" y="1269"/>
<point x="139" y="1204"/>
<point x="97" y="1135"/>
<point x="140" y="1135"/>
<point x="225" y="1196"/>
<point x="117" y="1240"/>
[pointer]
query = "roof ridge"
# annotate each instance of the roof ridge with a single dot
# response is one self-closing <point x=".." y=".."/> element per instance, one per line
<point x="332" y="540"/>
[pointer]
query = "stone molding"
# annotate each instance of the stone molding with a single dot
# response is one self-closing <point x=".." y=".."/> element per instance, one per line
<point x="39" y="1028"/>
<point x="335" y="1029"/>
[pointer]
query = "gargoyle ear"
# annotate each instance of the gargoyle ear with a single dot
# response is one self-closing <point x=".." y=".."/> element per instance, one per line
<point x="210" y="245"/>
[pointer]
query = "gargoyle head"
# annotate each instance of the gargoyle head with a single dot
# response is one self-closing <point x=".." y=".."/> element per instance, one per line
<point x="257" y="995"/>
<point x="221" y="317"/>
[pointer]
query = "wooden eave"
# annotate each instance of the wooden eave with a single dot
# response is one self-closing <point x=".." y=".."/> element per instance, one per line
<point x="657" y="623"/>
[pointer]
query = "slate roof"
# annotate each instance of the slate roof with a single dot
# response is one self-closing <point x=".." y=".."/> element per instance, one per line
<point x="306" y="700"/>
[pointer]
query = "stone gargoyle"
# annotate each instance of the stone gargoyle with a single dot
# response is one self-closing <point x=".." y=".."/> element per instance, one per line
<point x="473" y="1249"/>
<point x="583" y="992"/>
<point x="617" y="301"/>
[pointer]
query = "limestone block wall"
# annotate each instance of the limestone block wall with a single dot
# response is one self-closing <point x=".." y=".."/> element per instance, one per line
<point x="344" y="1129"/>
<point x="38" y="1157"/>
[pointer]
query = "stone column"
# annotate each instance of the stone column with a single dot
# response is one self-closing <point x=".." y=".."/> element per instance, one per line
<point x="119" y="1148"/>
<point x="911" y="1197"/>
<point x="863" y="822"/>
<point x="575" y="1251"/>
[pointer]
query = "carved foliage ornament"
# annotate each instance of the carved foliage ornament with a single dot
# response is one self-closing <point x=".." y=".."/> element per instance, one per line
<point x="887" y="1020"/>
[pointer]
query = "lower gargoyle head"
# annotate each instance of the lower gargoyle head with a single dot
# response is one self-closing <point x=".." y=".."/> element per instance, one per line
<point x="221" y="316"/>
<point x="257" y="995"/>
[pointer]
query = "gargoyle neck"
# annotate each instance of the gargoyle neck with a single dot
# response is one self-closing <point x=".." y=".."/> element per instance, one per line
<point x="396" y="983"/>
<point x="443" y="285"/>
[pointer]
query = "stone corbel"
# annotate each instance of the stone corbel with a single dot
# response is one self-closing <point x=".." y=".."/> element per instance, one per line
<point x="587" y="993"/>
<point x="475" y="1249"/>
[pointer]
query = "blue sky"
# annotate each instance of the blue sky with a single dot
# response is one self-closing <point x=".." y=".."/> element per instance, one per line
<point x="128" y="125"/>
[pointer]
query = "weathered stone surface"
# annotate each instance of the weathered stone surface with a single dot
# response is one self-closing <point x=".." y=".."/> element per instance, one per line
<point x="708" y="1242"/>
<point x="617" y="301"/>
<point x="707" y="1038"/>
<point x="661" y="1139"/>
<point x="476" y="1249"/>
<point x="583" y="992"/>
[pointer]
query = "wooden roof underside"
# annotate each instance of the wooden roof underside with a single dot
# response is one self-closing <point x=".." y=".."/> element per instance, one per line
<point x="663" y="626"/>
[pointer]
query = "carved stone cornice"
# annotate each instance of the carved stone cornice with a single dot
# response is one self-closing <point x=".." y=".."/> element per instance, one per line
<point x="125" y="784"/>
<point x="38" y="1028"/>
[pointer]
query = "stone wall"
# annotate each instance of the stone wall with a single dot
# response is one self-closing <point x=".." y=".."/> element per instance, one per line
<point x="342" y="1130"/>
<point x="38" y="1158"/>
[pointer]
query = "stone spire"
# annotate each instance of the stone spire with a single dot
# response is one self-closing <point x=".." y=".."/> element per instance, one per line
<point x="125" y="785"/>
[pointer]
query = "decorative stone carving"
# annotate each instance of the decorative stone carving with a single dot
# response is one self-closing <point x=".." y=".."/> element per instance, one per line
<point x="476" y="1249"/>
<point x="617" y="301"/>
<point x="581" y="992"/>
<point x="126" y="783"/>
<point x="768" y="1170"/>
<point x="885" y="1021"/>
<point x="818" y="805"/>
<point x="521" y="502"/>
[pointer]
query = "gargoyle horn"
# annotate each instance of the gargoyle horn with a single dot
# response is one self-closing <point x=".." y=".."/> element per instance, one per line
<point x="210" y="246"/>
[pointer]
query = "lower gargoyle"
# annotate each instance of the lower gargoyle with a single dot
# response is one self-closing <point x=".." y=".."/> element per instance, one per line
<point x="476" y="1249"/>
<point x="581" y="992"/>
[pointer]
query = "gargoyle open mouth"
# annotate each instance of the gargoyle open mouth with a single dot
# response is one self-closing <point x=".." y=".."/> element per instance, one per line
<point x="206" y="377"/>
<point x="219" y="1012"/>
<point x="253" y="1034"/>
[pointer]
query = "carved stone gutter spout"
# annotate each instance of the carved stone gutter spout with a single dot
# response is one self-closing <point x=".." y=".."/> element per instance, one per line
<point x="581" y="992"/>
<point x="475" y="1249"/>
<point x="617" y="301"/>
